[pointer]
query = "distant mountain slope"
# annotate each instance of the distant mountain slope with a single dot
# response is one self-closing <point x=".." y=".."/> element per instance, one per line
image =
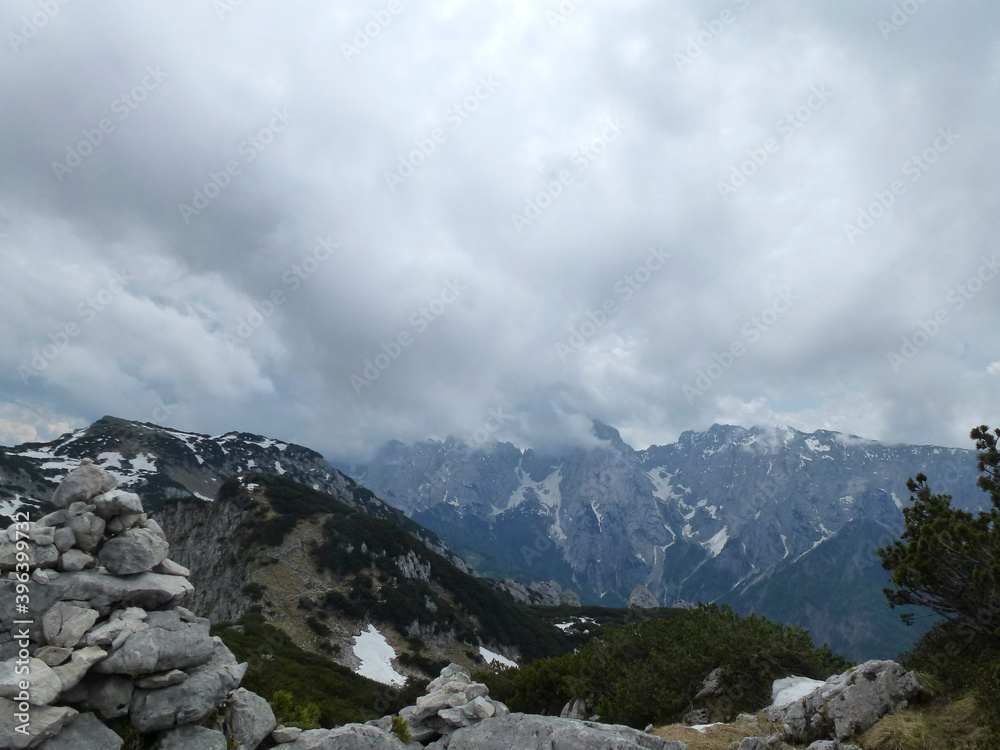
<point x="160" y="464"/>
<point x="730" y="514"/>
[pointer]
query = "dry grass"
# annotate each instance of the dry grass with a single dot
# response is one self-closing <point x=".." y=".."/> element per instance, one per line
<point x="944" y="725"/>
<point x="720" y="737"/>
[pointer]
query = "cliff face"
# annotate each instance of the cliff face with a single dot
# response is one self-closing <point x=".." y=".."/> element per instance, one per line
<point x="731" y="515"/>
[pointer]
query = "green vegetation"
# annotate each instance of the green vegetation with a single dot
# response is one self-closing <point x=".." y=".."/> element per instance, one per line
<point x="370" y="551"/>
<point x="401" y="729"/>
<point x="291" y="715"/>
<point x="948" y="561"/>
<point x="650" y="672"/>
<point x="276" y="664"/>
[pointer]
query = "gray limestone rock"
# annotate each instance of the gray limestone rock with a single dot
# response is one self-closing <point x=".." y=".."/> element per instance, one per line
<point x="642" y="598"/>
<point x="527" y="732"/>
<point x="285" y="734"/>
<point x="70" y="674"/>
<point x="248" y="717"/>
<point x="82" y="484"/>
<point x="169" y="568"/>
<point x="64" y="624"/>
<point x="44" y="722"/>
<point x="349" y="737"/>
<point x="88" y="530"/>
<point x="56" y="518"/>
<point x="117" y="503"/>
<point x="53" y="655"/>
<point x="848" y="703"/>
<point x="83" y="732"/>
<point x="191" y="737"/>
<point x="161" y="679"/>
<point x="193" y="700"/>
<point x="64" y="539"/>
<point x="74" y="560"/>
<point x="138" y="550"/>
<point x="166" y="643"/>
<point x="44" y="684"/>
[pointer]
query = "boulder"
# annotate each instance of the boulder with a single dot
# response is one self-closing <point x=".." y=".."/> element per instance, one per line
<point x="45" y="722"/>
<point x="349" y="737"/>
<point x="191" y="701"/>
<point x="83" y="732"/>
<point x="285" y="734"/>
<point x="169" y="568"/>
<point x="82" y="484"/>
<point x="88" y="531"/>
<point x="64" y="539"/>
<point x="249" y="718"/>
<point x="117" y="503"/>
<point x="161" y="680"/>
<point x="138" y="550"/>
<point x="74" y="560"/>
<point x="642" y="598"/>
<point x="64" y="624"/>
<point x="527" y="732"/>
<point x="36" y="556"/>
<point x="70" y="674"/>
<point x="53" y="655"/>
<point x="106" y="592"/>
<point x="165" y="643"/>
<point x="45" y="684"/>
<point x="848" y="703"/>
<point x="191" y="737"/>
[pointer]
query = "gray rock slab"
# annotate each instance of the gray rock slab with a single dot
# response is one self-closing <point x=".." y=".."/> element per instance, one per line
<point x="138" y="550"/>
<point x="83" y="732"/>
<point x="249" y="718"/>
<point x="45" y="722"/>
<point x="528" y="732"/>
<point x="191" y="737"/>
<point x="193" y="700"/>
<point x="82" y="484"/>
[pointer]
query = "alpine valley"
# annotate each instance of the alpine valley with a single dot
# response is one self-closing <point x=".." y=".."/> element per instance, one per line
<point x="768" y="520"/>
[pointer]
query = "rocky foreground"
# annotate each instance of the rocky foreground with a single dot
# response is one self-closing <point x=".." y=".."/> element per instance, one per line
<point x="94" y="634"/>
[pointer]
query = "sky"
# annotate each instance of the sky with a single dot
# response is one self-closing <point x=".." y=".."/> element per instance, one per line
<point x="340" y="224"/>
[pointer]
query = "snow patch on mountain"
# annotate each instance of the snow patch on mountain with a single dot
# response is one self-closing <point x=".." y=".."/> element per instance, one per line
<point x="492" y="658"/>
<point x="376" y="657"/>
<point x="717" y="542"/>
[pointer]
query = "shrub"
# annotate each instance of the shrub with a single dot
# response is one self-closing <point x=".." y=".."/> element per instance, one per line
<point x="650" y="672"/>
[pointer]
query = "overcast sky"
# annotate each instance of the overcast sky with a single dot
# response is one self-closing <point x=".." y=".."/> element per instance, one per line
<point x="344" y="223"/>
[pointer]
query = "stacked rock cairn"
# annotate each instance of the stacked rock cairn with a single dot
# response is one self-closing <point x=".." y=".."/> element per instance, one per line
<point x="92" y="634"/>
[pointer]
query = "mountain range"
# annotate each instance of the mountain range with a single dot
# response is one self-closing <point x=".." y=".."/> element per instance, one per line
<point x="769" y="520"/>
